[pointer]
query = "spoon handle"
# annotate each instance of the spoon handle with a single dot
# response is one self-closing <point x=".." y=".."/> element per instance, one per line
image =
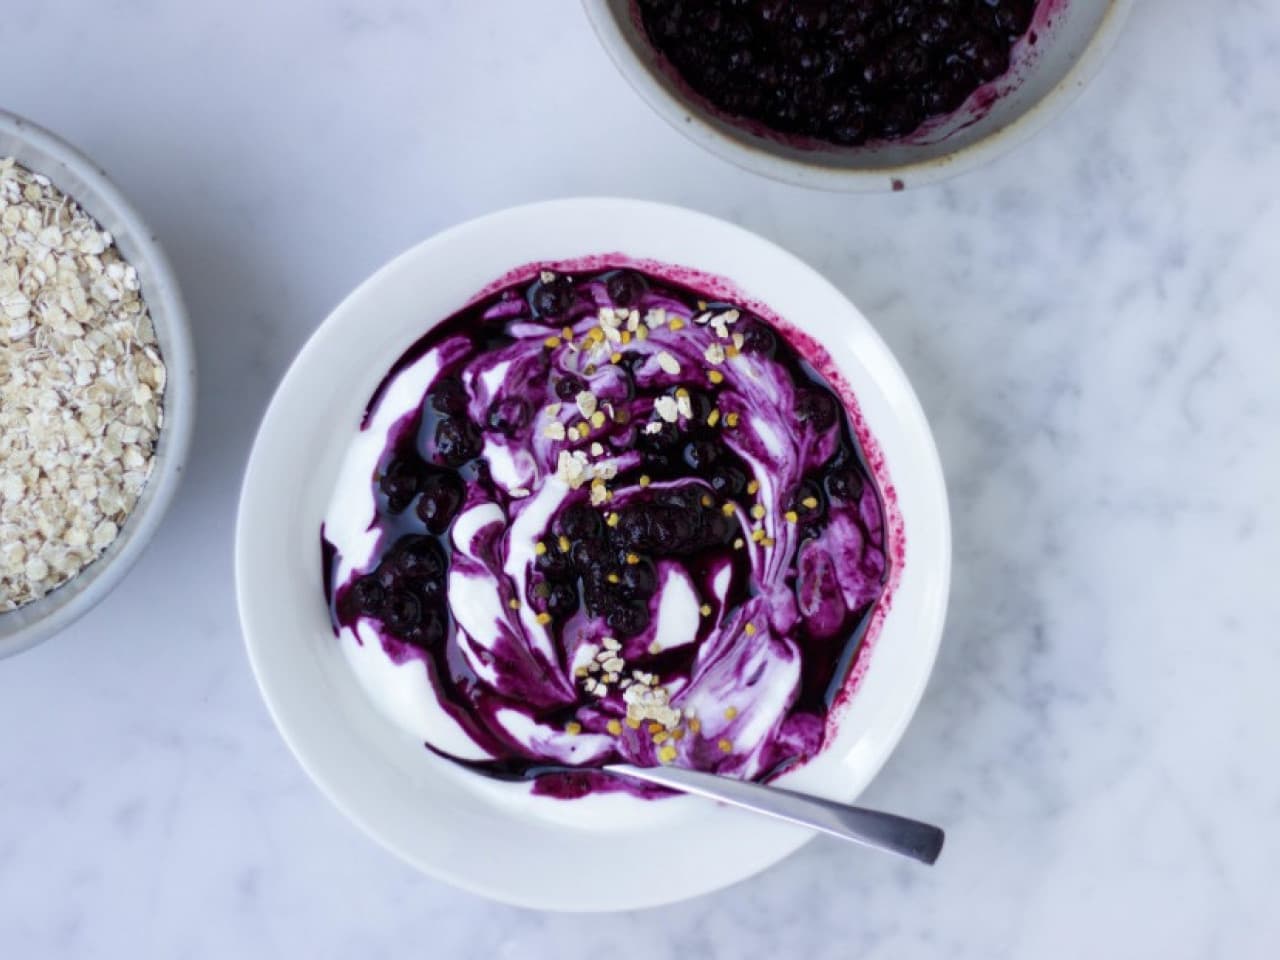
<point x="885" y="831"/>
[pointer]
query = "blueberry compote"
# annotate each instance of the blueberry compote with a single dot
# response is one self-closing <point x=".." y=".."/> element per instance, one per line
<point x="842" y="71"/>
<point x="604" y="516"/>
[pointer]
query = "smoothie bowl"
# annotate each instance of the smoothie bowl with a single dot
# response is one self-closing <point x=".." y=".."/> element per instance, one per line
<point x="589" y="481"/>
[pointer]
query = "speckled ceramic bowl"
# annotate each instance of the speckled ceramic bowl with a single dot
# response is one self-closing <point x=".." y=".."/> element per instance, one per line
<point x="1073" y="38"/>
<point x="79" y="177"/>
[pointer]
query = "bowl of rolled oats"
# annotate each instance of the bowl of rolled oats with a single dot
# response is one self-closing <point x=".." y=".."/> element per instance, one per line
<point x="97" y="384"/>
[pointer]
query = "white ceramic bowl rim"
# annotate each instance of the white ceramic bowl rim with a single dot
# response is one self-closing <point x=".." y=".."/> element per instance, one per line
<point x="80" y="178"/>
<point x="520" y="849"/>
<point x="993" y="136"/>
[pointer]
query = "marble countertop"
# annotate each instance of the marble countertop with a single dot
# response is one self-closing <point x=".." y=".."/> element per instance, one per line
<point x="1091" y="325"/>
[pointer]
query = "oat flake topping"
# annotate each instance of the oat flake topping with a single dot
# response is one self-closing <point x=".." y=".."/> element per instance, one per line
<point x="81" y="387"/>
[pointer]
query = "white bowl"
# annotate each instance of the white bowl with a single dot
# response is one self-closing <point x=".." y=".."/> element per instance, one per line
<point x="496" y="839"/>
<point x="1073" y="38"/>
<point x="80" y="178"/>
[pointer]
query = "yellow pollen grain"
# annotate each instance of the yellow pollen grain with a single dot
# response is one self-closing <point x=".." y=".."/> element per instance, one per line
<point x="758" y="511"/>
<point x="702" y="305"/>
<point x="644" y="480"/>
<point x="731" y="420"/>
<point x="667" y="754"/>
<point x="750" y="629"/>
<point x="792" y="516"/>
<point x="695" y="725"/>
<point x="642" y="333"/>
<point x="614" y="727"/>
<point x="677" y="734"/>
<point x="725" y="745"/>
<point x="731" y="352"/>
<point x="543" y="618"/>
<point x="809" y="503"/>
<point x="661" y="737"/>
<point x="580" y="672"/>
<point x="595" y="334"/>
<point x="551" y="342"/>
<point x="713" y="417"/>
<point x="611" y="519"/>
<point x="676" y="324"/>
<point x="682" y="392"/>
<point x="705" y="609"/>
<point x="739" y="543"/>
<point x="613" y="578"/>
<point x="753" y="487"/>
<point x="573" y="728"/>
<point x="654" y="726"/>
<point x="626" y="338"/>
<point x="597" y="419"/>
<point x="513" y="603"/>
<point x="633" y="559"/>
<point x="567" y="333"/>
<point x="615" y="357"/>
<point x="539" y="548"/>
<point x="728" y="509"/>
<point x="706" y="500"/>
<point x="730" y="712"/>
<point x="715" y="376"/>
<point x="633" y="723"/>
<point x="584" y="428"/>
<point x="768" y="542"/>
<point x="564" y="544"/>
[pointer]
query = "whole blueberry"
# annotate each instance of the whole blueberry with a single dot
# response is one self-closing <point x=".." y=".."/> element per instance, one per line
<point x="625" y="288"/>
<point x="562" y="601"/>
<point x="419" y="558"/>
<point x="580" y="522"/>
<point x="442" y="495"/>
<point x="366" y="596"/>
<point x="845" y="483"/>
<point x="628" y="619"/>
<point x="448" y="395"/>
<point x="509" y="416"/>
<point x="401" y="612"/>
<point x="554" y="298"/>
<point x="817" y="408"/>
<point x="400" y="483"/>
<point x="457" y="441"/>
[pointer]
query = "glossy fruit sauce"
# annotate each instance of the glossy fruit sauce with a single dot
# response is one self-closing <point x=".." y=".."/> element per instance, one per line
<point x="622" y="520"/>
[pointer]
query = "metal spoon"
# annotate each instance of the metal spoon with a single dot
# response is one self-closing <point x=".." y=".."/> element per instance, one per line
<point x="871" y="828"/>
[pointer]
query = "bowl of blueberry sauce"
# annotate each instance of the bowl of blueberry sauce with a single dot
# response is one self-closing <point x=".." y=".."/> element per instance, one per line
<point x="857" y="94"/>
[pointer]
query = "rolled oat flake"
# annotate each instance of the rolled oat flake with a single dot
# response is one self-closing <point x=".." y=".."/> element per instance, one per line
<point x="81" y="387"/>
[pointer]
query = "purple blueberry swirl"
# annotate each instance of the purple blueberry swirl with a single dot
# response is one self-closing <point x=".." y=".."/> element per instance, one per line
<point x="601" y="515"/>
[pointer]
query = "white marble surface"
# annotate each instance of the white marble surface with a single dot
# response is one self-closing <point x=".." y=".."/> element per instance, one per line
<point x="1090" y="322"/>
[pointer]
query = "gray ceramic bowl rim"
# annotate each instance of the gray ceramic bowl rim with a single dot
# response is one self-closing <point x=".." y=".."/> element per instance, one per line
<point x="754" y="159"/>
<point x="79" y="177"/>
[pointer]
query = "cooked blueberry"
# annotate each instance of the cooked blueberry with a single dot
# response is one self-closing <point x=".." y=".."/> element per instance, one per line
<point x="555" y="298"/>
<point x="568" y="387"/>
<point x="402" y="611"/>
<point x="457" y="441"/>
<point x="562" y="601"/>
<point x="628" y="619"/>
<point x="590" y="555"/>
<point x="633" y="527"/>
<point x="759" y="339"/>
<point x="427" y="632"/>
<point x="817" y="408"/>
<point x="441" y="497"/>
<point x="807" y="499"/>
<point x="400" y="484"/>
<point x="640" y="578"/>
<point x="553" y="564"/>
<point x="419" y="558"/>
<point x="625" y="288"/>
<point x="366" y="596"/>
<point x="509" y="416"/>
<point x="845" y="483"/>
<point x="700" y="455"/>
<point x="580" y="522"/>
<point x="728" y="481"/>
<point x="448" y="396"/>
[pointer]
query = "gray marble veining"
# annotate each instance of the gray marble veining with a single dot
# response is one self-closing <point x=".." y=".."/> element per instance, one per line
<point x="1091" y="325"/>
